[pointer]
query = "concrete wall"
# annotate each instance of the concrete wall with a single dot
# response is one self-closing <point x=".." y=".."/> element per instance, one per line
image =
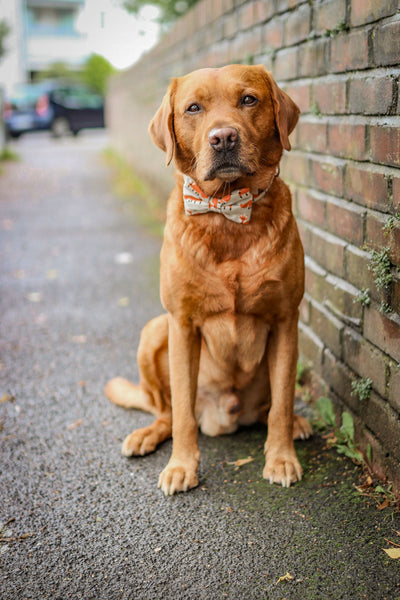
<point x="340" y="61"/>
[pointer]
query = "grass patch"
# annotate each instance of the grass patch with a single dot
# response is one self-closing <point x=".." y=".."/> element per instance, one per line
<point x="6" y="154"/>
<point x="131" y="187"/>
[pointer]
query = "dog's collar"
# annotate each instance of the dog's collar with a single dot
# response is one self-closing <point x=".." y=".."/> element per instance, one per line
<point x="236" y="206"/>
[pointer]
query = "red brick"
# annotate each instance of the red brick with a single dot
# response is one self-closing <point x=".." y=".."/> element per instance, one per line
<point x="300" y="94"/>
<point x="385" y="144"/>
<point x="394" y="244"/>
<point x="295" y="167"/>
<point x="313" y="58"/>
<point x="297" y="25"/>
<point x="272" y="34"/>
<point x="395" y="294"/>
<point x="384" y="422"/>
<point x="305" y="235"/>
<point x="231" y="24"/>
<point x="386" y="43"/>
<point x="365" y="359"/>
<point x="310" y="347"/>
<point x="349" y="51"/>
<point x="312" y="135"/>
<point x="327" y="327"/>
<point x="305" y="309"/>
<point x="371" y="95"/>
<point x="375" y="233"/>
<point x="268" y="9"/>
<point x="347" y="139"/>
<point x="357" y="271"/>
<point x="366" y="11"/>
<point x="216" y="9"/>
<point x="394" y="385"/>
<point x="311" y="207"/>
<point x="246" y="16"/>
<point x="316" y="285"/>
<point x="340" y="299"/>
<point x="329" y="96"/>
<point x="327" y="250"/>
<point x="286" y="64"/>
<point x="382" y="233"/>
<point x="383" y="331"/>
<point x="367" y="185"/>
<point x="337" y="375"/>
<point x="328" y="15"/>
<point x="396" y="194"/>
<point x="327" y="175"/>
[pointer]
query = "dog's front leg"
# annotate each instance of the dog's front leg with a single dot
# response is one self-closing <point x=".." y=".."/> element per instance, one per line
<point x="281" y="464"/>
<point x="184" y="355"/>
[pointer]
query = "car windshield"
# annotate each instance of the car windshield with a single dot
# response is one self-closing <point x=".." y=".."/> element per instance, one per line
<point x="26" y="96"/>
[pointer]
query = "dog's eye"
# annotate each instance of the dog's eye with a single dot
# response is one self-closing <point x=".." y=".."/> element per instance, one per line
<point x="249" y="100"/>
<point x="193" y="108"/>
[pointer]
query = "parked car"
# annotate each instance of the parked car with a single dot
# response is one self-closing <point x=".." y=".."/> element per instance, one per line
<point x="59" y="107"/>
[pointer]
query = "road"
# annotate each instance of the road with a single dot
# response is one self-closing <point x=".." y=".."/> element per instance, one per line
<point x="79" y="278"/>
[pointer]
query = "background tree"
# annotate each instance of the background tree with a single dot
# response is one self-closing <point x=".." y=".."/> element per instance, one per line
<point x="4" y="31"/>
<point x="169" y="9"/>
<point x="95" y="73"/>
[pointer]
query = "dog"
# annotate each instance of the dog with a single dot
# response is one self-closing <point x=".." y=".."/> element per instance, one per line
<point x="231" y="278"/>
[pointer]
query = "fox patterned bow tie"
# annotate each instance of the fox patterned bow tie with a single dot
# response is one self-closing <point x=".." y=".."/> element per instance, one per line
<point x="235" y="206"/>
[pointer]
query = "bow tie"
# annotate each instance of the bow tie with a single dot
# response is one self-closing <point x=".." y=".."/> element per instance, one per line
<point x="235" y="206"/>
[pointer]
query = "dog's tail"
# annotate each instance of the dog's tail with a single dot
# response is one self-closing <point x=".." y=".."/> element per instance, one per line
<point x="128" y="395"/>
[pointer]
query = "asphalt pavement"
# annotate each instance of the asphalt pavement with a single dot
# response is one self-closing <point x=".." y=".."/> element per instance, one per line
<point x="79" y="278"/>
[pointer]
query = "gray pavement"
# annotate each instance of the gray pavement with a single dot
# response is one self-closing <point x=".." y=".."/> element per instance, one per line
<point x="77" y="519"/>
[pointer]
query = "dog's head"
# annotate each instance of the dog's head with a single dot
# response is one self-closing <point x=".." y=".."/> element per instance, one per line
<point x="223" y="125"/>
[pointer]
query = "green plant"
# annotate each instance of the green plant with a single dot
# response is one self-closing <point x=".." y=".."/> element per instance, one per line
<point x="391" y="223"/>
<point x="7" y="154"/>
<point x="363" y="297"/>
<point x="341" y="438"/>
<point x="362" y="388"/>
<point x="315" y="110"/>
<point x="380" y="266"/>
<point x="385" y="308"/>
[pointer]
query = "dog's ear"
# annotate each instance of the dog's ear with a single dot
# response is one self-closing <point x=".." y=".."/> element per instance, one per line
<point x="285" y="110"/>
<point x="161" y="127"/>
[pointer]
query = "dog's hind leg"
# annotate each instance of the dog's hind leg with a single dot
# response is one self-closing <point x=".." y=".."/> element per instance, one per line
<point x="152" y="395"/>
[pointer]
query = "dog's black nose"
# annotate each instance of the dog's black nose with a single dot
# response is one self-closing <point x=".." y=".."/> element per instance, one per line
<point x="223" y="138"/>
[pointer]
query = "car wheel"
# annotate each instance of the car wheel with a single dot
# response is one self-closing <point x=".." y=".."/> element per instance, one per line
<point x="60" y="127"/>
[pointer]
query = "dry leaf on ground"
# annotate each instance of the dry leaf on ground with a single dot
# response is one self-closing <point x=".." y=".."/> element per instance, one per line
<point x="287" y="577"/>
<point x="392" y="552"/>
<point x="241" y="462"/>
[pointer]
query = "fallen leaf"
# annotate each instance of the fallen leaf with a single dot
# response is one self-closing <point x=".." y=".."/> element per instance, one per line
<point x="34" y="297"/>
<point x="384" y="504"/>
<point x="287" y="577"/>
<point x="241" y="462"/>
<point x="7" y="398"/>
<point x="79" y="339"/>
<point x="75" y="424"/>
<point x="125" y="301"/>
<point x="52" y="274"/>
<point x="392" y="552"/>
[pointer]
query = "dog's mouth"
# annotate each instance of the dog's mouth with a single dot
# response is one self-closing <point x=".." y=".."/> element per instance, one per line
<point x="228" y="171"/>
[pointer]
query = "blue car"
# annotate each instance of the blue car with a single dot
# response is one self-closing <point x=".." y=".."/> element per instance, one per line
<point x="59" y="107"/>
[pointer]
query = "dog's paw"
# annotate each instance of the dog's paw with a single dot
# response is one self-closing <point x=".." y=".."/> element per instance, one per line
<point x="302" y="429"/>
<point x="178" y="477"/>
<point x="140" y="442"/>
<point x="283" y="468"/>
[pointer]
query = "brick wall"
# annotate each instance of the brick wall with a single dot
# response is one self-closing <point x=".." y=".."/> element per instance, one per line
<point x="340" y="61"/>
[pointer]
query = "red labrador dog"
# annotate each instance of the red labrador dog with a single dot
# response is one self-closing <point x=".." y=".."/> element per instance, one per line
<point x="232" y="277"/>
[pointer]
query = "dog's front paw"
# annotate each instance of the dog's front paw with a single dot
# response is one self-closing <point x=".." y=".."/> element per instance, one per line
<point x="282" y="468"/>
<point x="140" y="442"/>
<point x="178" y="476"/>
